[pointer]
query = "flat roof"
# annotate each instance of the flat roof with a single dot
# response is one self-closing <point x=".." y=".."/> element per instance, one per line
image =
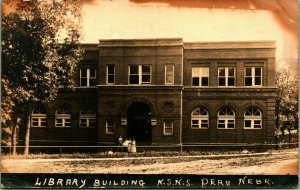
<point x="230" y="45"/>
<point x="266" y="44"/>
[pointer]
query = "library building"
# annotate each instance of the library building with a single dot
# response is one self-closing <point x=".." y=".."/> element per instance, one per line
<point x="164" y="92"/>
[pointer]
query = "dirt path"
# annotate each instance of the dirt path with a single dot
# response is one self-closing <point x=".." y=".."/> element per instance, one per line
<point x="266" y="163"/>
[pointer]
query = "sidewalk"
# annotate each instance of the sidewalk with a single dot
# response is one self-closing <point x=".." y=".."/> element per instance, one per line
<point x="31" y="160"/>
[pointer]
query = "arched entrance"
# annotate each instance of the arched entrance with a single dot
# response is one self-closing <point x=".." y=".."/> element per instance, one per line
<point x="139" y="122"/>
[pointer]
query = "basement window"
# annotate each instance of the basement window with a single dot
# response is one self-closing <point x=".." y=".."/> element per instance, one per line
<point x="110" y="126"/>
<point x="168" y="128"/>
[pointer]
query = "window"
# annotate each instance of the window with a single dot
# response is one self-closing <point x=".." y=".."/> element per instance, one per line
<point x="200" y="118"/>
<point x="87" y="77"/>
<point x="252" y="118"/>
<point x="226" y="118"/>
<point x="253" y="76"/>
<point x="227" y="76"/>
<point x="169" y="74"/>
<point x="110" y="126"/>
<point x="200" y="76"/>
<point x="38" y="117"/>
<point x="168" y="127"/>
<point x="87" y="118"/>
<point x="110" y="74"/>
<point x="139" y="74"/>
<point x="63" y="117"/>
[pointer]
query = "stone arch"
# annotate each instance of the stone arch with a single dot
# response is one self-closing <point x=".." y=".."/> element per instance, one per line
<point x="36" y="106"/>
<point x="254" y="104"/>
<point x="138" y="99"/>
<point x="59" y="104"/>
<point x="227" y="104"/>
<point x="204" y="105"/>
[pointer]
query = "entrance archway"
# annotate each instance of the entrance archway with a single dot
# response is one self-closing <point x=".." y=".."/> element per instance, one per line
<point x="139" y="122"/>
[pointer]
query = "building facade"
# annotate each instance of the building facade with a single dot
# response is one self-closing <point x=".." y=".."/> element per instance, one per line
<point x="165" y="91"/>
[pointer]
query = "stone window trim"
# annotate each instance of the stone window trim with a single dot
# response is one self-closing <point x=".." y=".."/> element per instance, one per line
<point x="110" y="127"/>
<point x="63" y="117"/>
<point x="200" y="118"/>
<point x="253" y="76"/>
<point x="200" y="76"/>
<point x="226" y="118"/>
<point x="38" y="117"/>
<point x="139" y="74"/>
<point x="169" y="74"/>
<point x="87" y="77"/>
<point x="253" y="119"/>
<point x="226" y="77"/>
<point x="110" y="74"/>
<point x="197" y="63"/>
<point x="228" y="63"/>
<point x="87" y="119"/>
<point x="168" y="128"/>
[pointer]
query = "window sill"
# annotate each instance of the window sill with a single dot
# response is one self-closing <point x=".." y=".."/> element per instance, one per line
<point x="139" y="84"/>
<point x="253" y="86"/>
<point x="199" y="128"/>
<point x="253" y="128"/>
<point x="225" y="128"/>
<point x="200" y="86"/>
<point x="227" y="86"/>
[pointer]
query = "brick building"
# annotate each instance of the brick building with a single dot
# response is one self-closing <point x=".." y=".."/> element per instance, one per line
<point x="165" y="91"/>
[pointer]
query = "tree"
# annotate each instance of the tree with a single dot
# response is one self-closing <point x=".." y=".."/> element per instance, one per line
<point x="6" y="113"/>
<point x="286" y="109"/>
<point x="40" y="51"/>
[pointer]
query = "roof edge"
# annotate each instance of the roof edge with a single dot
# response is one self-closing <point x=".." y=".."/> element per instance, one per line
<point x="269" y="44"/>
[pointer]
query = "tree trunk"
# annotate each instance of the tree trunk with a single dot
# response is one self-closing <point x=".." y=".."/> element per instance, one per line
<point x="27" y="135"/>
<point x="290" y="136"/>
<point x="14" y="139"/>
<point x="14" y="135"/>
<point x="282" y="131"/>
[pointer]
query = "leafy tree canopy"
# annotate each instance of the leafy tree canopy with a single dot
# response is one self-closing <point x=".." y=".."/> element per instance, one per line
<point x="286" y="110"/>
<point x="40" y="48"/>
<point x="40" y="51"/>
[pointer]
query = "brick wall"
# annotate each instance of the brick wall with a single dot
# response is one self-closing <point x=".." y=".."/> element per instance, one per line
<point x="168" y="102"/>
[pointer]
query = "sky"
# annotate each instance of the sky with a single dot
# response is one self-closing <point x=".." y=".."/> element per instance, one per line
<point x="196" y="21"/>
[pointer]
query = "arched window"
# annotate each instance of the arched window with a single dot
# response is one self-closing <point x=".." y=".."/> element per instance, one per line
<point x="38" y="117"/>
<point x="253" y="118"/>
<point x="87" y="118"/>
<point x="226" y="118"/>
<point x="63" y="117"/>
<point x="200" y="118"/>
